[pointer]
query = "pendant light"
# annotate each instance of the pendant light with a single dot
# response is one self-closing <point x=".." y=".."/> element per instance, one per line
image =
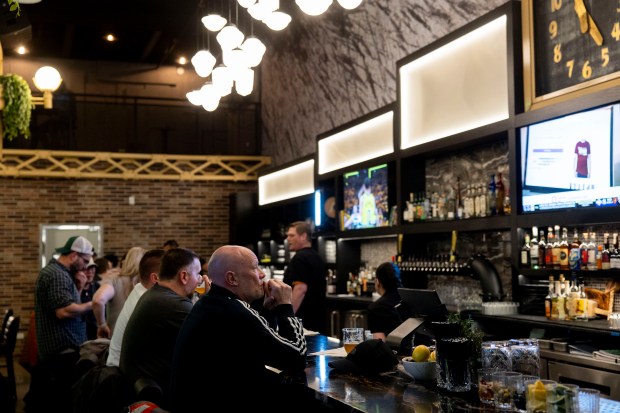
<point x="236" y="58"/>
<point x="246" y="3"/>
<point x="244" y="81"/>
<point x="277" y="20"/>
<point x="210" y="96"/>
<point x="254" y="49"/>
<point x="213" y="22"/>
<point x="229" y="37"/>
<point x="194" y="97"/>
<point x="314" y="7"/>
<point x="222" y="80"/>
<point x="203" y="62"/>
<point x="349" y="4"/>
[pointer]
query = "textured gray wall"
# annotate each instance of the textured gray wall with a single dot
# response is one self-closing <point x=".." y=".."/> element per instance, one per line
<point x="322" y="72"/>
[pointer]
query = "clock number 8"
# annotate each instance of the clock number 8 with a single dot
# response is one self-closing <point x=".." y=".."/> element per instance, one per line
<point x="557" y="53"/>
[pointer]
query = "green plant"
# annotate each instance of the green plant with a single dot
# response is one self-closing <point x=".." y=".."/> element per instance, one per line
<point x="14" y="6"/>
<point x="468" y="330"/>
<point x="18" y="106"/>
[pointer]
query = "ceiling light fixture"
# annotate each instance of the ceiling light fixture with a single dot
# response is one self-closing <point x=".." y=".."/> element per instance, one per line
<point x="314" y="7"/>
<point x="213" y="22"/>
<point x="349" y="4"/>
<point x="47" y="80"/>
<point x="246" y="3"/>
<point x="277" y="20"/>
<point x="203" y="62"/>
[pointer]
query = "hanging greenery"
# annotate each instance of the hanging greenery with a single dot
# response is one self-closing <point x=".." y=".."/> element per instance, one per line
<point x="14" y="6"/>
<point x="18" y="106"/>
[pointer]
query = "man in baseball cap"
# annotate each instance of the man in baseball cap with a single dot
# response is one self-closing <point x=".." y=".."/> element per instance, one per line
<point x="60" y="327"/>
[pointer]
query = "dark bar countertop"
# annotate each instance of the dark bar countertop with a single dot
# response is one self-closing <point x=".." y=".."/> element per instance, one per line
<point x="389" y="392"/>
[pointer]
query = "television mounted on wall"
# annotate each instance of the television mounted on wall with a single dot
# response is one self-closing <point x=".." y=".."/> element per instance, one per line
<point x="365" y="197"/>
<point x="571" y="161"/>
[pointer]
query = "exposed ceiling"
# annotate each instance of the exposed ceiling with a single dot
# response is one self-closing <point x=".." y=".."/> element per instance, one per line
<point x="149" y="31"/>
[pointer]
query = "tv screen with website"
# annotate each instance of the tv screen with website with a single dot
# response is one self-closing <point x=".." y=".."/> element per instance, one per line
<point x="572" y="161"/>
<point x="366" y="198"/>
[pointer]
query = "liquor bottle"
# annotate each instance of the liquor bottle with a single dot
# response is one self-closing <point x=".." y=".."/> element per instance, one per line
<point x="561" y="298"/>
<point x="574" y="253"/>
<point x="460" y="209"/>
<point x="614" y="254"/>
<point x="555" y="247"/>
<point x="583" y="248"/>
<point x="549" y="297"/>
<point x="475" y="201"/>
<point x="483" y="204"/>
<point x="564" y="250"/>
<point x="491" y="195"/>
<point x="605" y="260"/>
<point x="592" y="252"/>
<point x="549" y="249"/>
<point x="581" y="313"/>
<point x="573" y="299"/>
<point x="534" y="249"/>
<point x="555" y="311"/>
<point x="500" y="194"/>
<point x="542" y="245"/>
<point x="525" y="253"/>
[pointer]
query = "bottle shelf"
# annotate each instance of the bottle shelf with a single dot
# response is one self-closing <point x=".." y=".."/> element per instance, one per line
<point x="544" y="272"/>
<point x="500" y="222"/>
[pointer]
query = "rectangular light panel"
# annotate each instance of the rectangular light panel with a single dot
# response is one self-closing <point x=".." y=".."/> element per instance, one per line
<point x="291" y="182"/>
<point x="362" y="142"/>
<point x="457" y="87"/>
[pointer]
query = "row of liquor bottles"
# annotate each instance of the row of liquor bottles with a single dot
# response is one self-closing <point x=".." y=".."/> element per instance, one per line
<point x="456" y="203"/>
<point x="558" y="253"/>
<point x="439" y="264"/>
<point x="567" y="300"/>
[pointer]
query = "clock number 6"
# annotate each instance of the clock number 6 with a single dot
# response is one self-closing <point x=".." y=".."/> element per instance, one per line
<point x="586" y="71"/>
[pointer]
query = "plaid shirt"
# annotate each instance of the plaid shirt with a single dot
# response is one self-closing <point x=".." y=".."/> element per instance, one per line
<point x="55" y="289"/>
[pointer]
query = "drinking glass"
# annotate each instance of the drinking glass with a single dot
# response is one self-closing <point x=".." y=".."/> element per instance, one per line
<point x="536" y="395"/>
<point x="525" y="356"/>
<point x="504" y="388"/>
<point x="521" y="389"/>
<point x="351" y="337"/>
<point x="563" y="399"/>
<point x="485" y="385"/>
<point x="589" y="400"/>
<point x="496" y="355"/>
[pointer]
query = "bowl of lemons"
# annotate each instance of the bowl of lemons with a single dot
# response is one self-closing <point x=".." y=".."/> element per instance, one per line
<point x="421" y="365"/>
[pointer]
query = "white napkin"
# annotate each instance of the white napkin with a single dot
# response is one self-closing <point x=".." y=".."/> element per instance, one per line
<point x="335" y="352"/>
<point x="310" y="333"/>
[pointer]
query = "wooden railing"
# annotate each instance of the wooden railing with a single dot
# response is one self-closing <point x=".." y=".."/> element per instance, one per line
<point x="108" y="165"/>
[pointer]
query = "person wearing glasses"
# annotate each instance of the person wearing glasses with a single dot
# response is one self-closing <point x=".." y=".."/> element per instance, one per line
<point x="60" y="327"/>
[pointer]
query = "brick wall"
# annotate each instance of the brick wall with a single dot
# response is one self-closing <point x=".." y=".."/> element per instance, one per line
<point x="194" y="213"/>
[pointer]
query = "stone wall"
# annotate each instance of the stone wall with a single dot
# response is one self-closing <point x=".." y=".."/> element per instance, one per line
<point x="322" y="72"/>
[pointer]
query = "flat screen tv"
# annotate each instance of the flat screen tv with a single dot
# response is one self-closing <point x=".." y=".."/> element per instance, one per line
<point x="572" y="161"/>
<point x="365" y="195"/>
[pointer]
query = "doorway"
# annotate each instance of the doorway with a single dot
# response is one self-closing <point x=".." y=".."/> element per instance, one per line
<point x="54" y="236"/>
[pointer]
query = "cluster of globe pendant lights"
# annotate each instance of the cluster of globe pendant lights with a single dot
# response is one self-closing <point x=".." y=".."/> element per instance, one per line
<point x="239" y="53"/>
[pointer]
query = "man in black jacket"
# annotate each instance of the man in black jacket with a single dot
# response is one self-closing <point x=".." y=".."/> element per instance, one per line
<point x="224" y="345"/>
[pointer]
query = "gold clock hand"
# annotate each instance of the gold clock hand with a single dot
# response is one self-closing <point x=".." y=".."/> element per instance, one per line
<point x="595" y="32"/>
<point x="582" y="13"/>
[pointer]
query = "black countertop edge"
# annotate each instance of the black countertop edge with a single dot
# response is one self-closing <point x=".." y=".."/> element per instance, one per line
<point x="597" y="326"/>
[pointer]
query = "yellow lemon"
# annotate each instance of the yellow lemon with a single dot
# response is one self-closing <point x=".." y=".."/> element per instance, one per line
<point x="433" y="356"/>
<point x="420" y="353"/>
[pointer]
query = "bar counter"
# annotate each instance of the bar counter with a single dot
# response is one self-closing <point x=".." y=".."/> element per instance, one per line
<point x="389" y="392"/>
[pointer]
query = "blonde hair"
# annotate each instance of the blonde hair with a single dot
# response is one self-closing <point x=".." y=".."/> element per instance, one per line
<point x="131" y="264"/>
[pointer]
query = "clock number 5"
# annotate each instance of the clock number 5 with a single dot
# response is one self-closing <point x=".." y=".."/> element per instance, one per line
<point x="605" y="56"/>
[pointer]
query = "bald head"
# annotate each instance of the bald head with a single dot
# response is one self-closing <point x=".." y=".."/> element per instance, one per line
<point x="236" y="268"/>
<point x="224" y="259"/>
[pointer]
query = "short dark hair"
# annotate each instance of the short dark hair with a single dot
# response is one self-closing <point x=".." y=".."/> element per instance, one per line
<point x="174" y="260"/>
<point x="387" y="275"/>
<point x="113" y="258"/>
<point x="150" y="263"/>
<point x="171" y="243"/>
<point x="302" y="227"/>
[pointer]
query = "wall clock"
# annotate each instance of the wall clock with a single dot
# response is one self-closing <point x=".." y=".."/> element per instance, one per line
<point x="570" y="47"/>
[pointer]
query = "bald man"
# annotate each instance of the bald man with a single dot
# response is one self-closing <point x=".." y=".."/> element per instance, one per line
<point x="225" y="344"/>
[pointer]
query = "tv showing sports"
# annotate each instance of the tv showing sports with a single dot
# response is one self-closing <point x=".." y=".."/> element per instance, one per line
<point x="366" y="198"/>
<point x="572" y="161"/>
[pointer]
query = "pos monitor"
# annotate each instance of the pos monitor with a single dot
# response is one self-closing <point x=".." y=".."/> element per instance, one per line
<point x="423" y="305"/>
